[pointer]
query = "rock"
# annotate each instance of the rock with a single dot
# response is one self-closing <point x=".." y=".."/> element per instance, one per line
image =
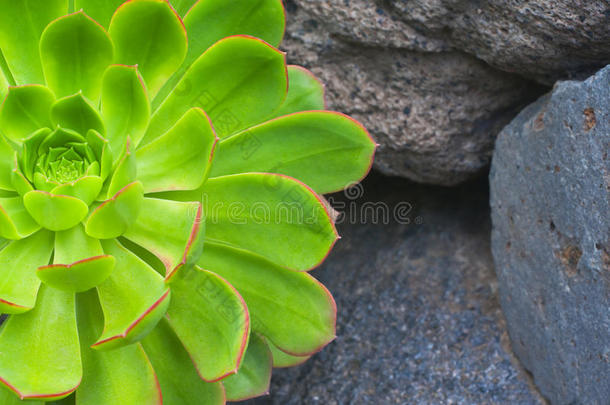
<point x="419" y="320"/>
<point x="550" y="198"/>
<point x="546" y="40"/>
<point x="434" y="110"/>
<point x="429" y="77"/>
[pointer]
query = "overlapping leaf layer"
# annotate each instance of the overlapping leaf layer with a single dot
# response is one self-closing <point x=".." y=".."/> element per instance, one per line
<point x="160" y="173"/>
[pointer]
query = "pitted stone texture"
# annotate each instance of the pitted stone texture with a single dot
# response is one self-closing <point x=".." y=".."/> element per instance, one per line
<point x="435" y="114"/>
<point x="545" y="40"/>
<point x="367" y="23"/>
<point x="417" y="72"/>
<point x="550" y="198"/>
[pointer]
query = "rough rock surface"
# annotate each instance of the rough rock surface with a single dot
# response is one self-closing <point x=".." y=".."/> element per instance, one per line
<point x="419" y="321"/>
<point x="550" y="191"/>
<point x="546" y="40"/>
<point x="409" y="69"/>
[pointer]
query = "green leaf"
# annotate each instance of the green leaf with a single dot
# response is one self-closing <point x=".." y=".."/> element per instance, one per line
<point x="326" y="150"/>
<point x="6" y="164"/>
<point x="238" y="82"/>
<point x="305" y="92"/>
<point x="18" y="263"/>
<point x="178" y="379"/>
<point x="22" y="24"/>
<point x="173" y="231"/>
<point x="270" y="215"/>
<point x="211" y="320"/>
<point x="15" y="221"/>
<point x="121" y="376"/>
<point x="291" y="309"/>
<point x="39" y="351"/>
<point x="74" y="244"/>
<point x="85" y="189"/>
<point x="19" y="182"/>
<point x="125" y="105"/>
<point x="78" y="114"/>
<point x="100" y="10"/>
<point x="149" y="34"/>
<point x="212" y="20"/>
<point x="29" y="151"/>
<point x="25" y="110"/>
<point x="42" y="183"/>
<point x="209" y="21"/>
<point x="102" y="151"/>
<point x="134" y="298"/>
<point x="79" y="262"/>
<point x="78" y="276"/>
<point x="284" y="360"/>
<point x="59" y="138"/>
<point x="179" y="159"/>
<point x="55" y="212"/>
<point x="75" y="52"/>
<point x="254" y="376"/>
<point x="113" y="217"/>
<point x="182" y="6"/>
<point x="3" y="82"/>
<point x="125" y="171"/>
<point x="69" y="400"/>
<point x="8" y="397"/>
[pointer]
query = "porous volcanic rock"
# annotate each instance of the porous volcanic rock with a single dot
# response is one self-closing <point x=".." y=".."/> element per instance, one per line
<point x="550" y="199"/>
<point x="435" y="81"/>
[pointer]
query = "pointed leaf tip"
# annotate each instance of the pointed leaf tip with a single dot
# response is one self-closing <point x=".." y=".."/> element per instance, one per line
<point x="178" y="379"/>
<point x="68" y="65"/>
<point x="55" y="212"/>
<point x="25" y="110"/>
<point x="134" y="298"/>
<point x="136" y="29"/>
<point x="179" y="159"/>
<point x="125" y="105"/>
<point x="254" y="376"/>
<point x="289" y="298"/>
<point x="250" y="82"/>
<point x="113" y="217"/>
<point x="325" y="150"/>
<point x="78" y="276"/>
<point x="217" y="341"/>
<point x="278" y="218"/>
<point x="171" y="230"/>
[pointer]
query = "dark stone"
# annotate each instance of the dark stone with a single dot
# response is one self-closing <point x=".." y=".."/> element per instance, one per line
<point x="434" y="110"/>
<point x="474" y="60"/>
<point x="550" y="192"/>
<point x="419" y="320"/>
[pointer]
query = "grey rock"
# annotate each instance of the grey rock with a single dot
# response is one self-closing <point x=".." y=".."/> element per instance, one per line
<point x="546" y="40"/>
<point x="419" y="321"/>
<point x="550" y="198"/>
<point x="435" y="80"/>
<point x="434" y="110"/>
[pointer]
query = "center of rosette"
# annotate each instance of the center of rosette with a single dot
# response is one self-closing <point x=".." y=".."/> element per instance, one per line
<point x="54" y="158"/>
<point x="66" y="171"/>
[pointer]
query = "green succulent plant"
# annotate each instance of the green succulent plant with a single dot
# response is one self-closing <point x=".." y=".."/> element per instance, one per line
<point x="156" y="228"/>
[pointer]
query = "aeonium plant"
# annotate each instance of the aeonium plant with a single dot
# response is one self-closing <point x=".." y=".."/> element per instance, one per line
<point x="160" y="174"/>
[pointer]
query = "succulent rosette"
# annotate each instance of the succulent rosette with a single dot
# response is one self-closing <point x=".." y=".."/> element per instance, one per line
<point x="160" y="173"/>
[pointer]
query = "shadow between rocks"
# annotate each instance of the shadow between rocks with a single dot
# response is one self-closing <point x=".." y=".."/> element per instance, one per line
<point x="419" y="319"/>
